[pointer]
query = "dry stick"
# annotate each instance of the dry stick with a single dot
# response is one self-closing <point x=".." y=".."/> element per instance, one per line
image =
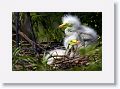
<point x="69" y="59"/>
<point x="62" y="56"/>
<point x="25" y="37"/>
<point x="29" y="40"/>
<point x="66" y="56"/>
<point x="17" y="29"/>
<point x="33" y="34"/>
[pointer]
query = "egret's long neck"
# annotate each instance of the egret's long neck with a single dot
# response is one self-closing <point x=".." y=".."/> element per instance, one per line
<point x="69" y="31"/>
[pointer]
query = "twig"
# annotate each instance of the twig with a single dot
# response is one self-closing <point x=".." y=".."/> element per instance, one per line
<point x="17" y="29"/>
<point x="64" y="56"/>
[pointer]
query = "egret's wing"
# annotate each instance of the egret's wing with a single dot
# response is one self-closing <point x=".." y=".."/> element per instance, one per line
<point x="86" y="37"/>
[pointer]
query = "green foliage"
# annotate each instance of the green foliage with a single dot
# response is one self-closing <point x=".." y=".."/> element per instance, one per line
<point x="22" y="62"/>
<point x="46" y="26"/>
<point x="94" y="52"/>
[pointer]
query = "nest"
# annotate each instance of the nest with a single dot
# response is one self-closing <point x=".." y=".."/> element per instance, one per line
<point x="65" y="62"/>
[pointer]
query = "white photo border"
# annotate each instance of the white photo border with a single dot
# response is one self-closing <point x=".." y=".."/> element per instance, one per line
<point x="104" y="76"/>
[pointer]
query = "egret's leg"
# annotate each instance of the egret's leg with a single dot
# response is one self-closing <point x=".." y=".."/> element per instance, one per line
<point x="72" y="54"/>
<point x="67" y="51"/>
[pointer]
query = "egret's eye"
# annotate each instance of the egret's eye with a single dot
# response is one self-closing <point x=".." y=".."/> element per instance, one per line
<point x="68" y="25"/>
<point x="69" y="30"/>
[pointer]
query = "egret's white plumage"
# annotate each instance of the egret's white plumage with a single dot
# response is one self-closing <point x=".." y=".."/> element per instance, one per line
<point x="83" y="33"/>
<point x="55" y="52"/>
<point x="74" y="20"/>
<point x="67" y="39"/>
<point x="88" y="35"/>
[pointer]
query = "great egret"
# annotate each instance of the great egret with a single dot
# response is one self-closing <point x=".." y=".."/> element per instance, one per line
<point x="61" y="52"/>
<point x="75" y="30"/>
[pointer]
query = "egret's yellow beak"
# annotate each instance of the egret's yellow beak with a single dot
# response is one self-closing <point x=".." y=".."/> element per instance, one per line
<point x="74" y="42"/>
<point x="62" y="25"/>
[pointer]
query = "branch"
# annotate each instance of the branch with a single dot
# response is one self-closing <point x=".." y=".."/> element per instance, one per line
<point x="27" y="38"/>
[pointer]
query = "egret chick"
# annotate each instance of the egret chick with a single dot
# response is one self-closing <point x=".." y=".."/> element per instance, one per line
<point x="73" y="28"/>
<point x="60" y="52"/>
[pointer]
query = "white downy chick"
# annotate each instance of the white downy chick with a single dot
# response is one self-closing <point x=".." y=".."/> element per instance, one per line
<point x="73" y="26"/>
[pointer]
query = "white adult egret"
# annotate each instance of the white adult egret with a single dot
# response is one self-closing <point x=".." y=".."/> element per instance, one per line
<point x="60" y="52"/>
<point x="74" y="30"/>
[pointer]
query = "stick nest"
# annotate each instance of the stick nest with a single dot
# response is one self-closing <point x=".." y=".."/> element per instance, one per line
<point x="65" y="62"/>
